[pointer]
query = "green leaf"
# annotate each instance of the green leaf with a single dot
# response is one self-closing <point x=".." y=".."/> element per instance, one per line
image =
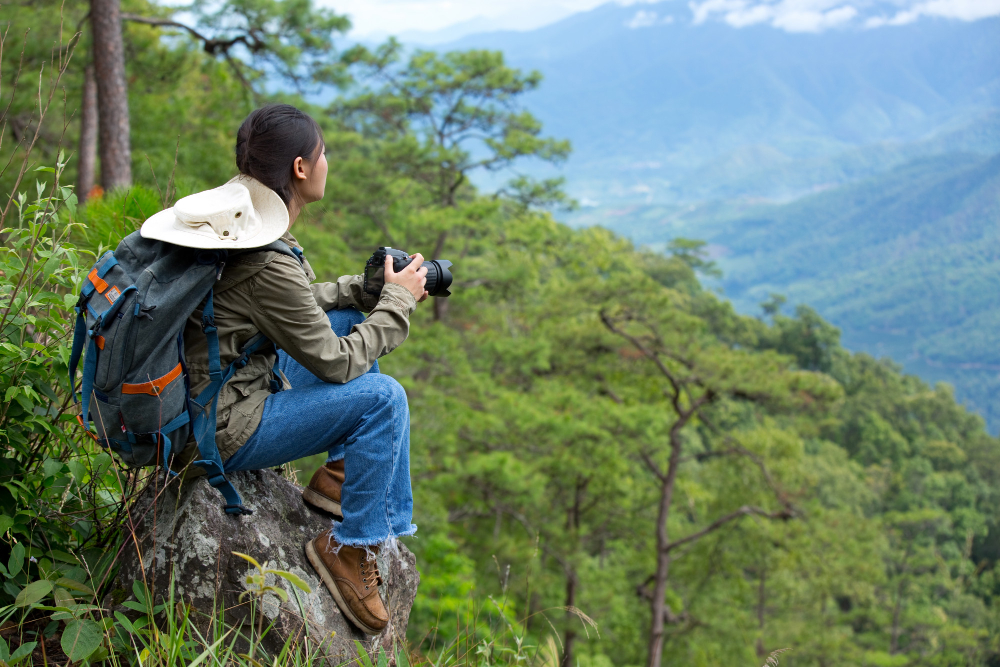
<point x="101" y="463"/>
<point x="125" y="623"/>
<point x="77" y="469"/>
<point x="5" y="523"/>
<point x="140" y="591"/>
<point x="294" y="579"/>
<point x="16" y="561"/>
<point x="363" y="656"/>
<point x="22" y="652"/>
<point x="210" y="652"/>
<point x="62" y="597"/>
<point x="135" y="606"/>
<point x="33" y="592"/>
<point x="63" y="556"/>
<point x="4" y="650"/>
<point x="51" y="467"/>
<point x="249" y="559"/>
<point x="81" y="638"/>
<point x="280" y="592"/>
<point x="74" y="585"/>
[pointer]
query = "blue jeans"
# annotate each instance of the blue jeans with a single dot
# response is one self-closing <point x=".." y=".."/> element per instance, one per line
<point x="365" y="421"/>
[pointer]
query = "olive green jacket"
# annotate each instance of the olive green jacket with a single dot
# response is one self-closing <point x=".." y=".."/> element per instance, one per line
<point x="273" y="294"/>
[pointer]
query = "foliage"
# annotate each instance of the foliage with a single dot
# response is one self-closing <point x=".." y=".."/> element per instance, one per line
<point x="821" y="500"/>
<point x="257" y="38"/>
<point x="902" y="262"/>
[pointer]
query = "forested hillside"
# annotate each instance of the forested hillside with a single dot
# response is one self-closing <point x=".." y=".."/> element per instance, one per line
<point x="595" y="435"/>
<point x="904" y="263"/>
<point x="701" y="130"/>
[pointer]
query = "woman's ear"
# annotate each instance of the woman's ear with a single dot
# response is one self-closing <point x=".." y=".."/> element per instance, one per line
<point x="299" y="169"/>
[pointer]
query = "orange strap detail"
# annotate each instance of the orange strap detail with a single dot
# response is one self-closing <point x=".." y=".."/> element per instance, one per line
<point x="98" y="282"/>
<point x="154" y="388"/>
<point x="100" y="342"/>
<point x="79" y="419"/>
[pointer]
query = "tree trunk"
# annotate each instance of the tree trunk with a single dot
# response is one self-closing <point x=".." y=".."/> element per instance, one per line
<point x="896" y="613"/>
<point x="570" y="637"/>
<point x="659" y="605"/>
<point x="761" y="600"/>
<point x="572" y="528"/>
<point x="88" y="136"/>
<point x="112" y="94"/>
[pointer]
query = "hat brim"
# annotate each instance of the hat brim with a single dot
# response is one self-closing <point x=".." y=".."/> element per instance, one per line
<point x="272" y="212"/>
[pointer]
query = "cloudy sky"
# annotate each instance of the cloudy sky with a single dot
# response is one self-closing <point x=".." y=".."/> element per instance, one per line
<point x="381" y="17"/>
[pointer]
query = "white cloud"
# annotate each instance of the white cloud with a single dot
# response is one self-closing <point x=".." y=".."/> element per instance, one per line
<point x="702" y="11"/>
<point x="642" y="19"/>
<point x="962" y="10"/>
<point x="790" y="15"/>
<point x="813" y="21"/>
<point x="819" y="15"/>
<point x="749" y="16"/>
<point x="645" y="19"/>
<point x="382" y="17"/>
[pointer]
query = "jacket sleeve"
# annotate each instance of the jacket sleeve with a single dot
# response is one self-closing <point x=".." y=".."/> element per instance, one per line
<point x="287" y="312"/>
<point x="347" y="292"/>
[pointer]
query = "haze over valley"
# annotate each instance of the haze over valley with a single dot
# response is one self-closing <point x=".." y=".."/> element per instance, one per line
<point x="849" y="167"/>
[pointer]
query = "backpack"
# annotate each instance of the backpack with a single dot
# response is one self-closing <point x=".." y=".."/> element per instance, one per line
<point x="131" y="315"/>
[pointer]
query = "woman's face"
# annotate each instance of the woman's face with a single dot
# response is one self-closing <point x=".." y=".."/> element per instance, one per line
<point x="310" y="177"/>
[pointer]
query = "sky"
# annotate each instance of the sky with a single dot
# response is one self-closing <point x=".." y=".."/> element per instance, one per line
<point x="378" y="18"/>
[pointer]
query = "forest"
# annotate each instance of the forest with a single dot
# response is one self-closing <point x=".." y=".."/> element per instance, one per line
<point x="608" y="460"/>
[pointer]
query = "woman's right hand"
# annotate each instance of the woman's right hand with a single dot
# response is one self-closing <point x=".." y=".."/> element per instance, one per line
<point x="413" y="277"/>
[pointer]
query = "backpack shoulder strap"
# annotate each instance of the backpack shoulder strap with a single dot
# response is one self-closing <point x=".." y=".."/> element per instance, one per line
<point x="279" y="247"/>
<point x="204" y="406"/>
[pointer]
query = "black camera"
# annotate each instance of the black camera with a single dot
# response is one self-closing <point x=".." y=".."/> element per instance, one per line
<point x="438" y="273"/>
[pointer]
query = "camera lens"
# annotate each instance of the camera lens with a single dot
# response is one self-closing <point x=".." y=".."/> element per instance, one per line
<point x="438" y="277"/>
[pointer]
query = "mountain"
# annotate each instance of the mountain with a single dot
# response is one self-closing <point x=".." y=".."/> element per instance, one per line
<point x="666" y="110"/>
<point x="854" y="170"/>
<point x="906" y="263"/>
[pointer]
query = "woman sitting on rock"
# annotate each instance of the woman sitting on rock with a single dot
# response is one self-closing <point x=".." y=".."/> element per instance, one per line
<point x="332" y="398"/>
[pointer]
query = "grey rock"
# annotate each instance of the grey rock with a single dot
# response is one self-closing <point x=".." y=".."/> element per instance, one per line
<point x="182" y="532"/>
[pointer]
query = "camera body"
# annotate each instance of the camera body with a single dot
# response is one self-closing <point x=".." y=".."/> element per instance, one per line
<point x="438" y="271"/>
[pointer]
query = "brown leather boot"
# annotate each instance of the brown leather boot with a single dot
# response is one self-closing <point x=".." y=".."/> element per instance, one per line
<point x="324" y="488"/>
<point x="352" y="577"/>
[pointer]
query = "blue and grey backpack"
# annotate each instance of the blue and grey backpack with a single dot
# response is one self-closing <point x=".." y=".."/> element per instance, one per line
<point x="131" y="316"/>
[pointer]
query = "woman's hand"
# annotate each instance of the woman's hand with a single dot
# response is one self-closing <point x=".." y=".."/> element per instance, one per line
<point x="413" y="277"/>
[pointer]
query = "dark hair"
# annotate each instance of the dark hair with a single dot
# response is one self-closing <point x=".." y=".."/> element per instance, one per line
<point x="270" y="139"/>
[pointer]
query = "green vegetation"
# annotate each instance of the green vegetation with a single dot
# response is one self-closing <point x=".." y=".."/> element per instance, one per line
<point x="903" y="263"/>
<point x="595" y="435"/>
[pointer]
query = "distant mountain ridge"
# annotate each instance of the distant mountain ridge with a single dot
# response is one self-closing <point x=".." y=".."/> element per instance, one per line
<point x="856" y="171"/>
<point x="654" y="105"/>
<point x="906" y="263"/>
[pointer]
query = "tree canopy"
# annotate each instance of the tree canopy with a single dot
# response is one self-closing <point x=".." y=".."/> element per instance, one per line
<point x="593" y="433"/>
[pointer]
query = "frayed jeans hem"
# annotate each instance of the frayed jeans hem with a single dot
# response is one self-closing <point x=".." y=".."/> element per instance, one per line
<point x="387" y="544"/>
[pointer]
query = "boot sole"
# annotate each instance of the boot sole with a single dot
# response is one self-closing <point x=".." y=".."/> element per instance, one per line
<point x="331" y="586"/>
<point x="320" y="501"/>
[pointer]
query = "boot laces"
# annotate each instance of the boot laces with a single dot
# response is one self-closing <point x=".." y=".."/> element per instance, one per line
<point x="370" y="574"/>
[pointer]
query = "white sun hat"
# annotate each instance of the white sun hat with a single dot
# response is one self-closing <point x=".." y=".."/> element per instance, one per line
<point x="243" y="213"/>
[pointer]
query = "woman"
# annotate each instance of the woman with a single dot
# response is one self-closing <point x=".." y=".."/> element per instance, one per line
<point x="321" y="392"/>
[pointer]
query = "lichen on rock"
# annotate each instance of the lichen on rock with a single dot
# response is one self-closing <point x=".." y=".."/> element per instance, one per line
<point x="179" y="533"/>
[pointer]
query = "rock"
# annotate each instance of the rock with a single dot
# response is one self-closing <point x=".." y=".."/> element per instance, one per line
<point x="186" y="535"/>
